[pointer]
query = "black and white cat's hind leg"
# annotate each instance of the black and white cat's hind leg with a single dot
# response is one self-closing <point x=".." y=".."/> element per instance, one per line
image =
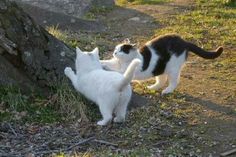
<point x="173" y="80"/>
<point x="173" y="70"/>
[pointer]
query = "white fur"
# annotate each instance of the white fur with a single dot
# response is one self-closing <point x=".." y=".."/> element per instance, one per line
<point x="110" y="90"/>
<point x="172" y="71"/>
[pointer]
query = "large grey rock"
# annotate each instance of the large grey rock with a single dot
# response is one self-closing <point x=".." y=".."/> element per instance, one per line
<point x="66" y="14"/>
<point x="75" y="8"/>
<point x="29" y="55"/>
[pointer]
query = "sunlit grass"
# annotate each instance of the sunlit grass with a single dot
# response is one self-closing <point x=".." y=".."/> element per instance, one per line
<point x="62" y="35"/>
<point x="139" y="2"/>
<point x="210" y="24"/>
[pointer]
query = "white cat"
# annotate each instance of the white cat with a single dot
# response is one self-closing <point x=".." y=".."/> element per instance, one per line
<point x="110" y="90"/>
<point x="162" y="57"/>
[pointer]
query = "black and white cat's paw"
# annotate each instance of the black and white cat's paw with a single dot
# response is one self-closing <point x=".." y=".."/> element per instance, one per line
<point x="105" y="67"/>
<point x="154" y="87"/>
<point x="167" y="91"/>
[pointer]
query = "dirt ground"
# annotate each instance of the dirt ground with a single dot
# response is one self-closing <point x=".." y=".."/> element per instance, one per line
<point x="198" y="119"/>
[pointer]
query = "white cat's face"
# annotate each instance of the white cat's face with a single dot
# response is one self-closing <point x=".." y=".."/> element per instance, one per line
<point x="125" y="52"/>
<point x="87" y="60"/>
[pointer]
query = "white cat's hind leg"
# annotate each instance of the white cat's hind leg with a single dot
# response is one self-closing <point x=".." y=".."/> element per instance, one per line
<point x="106" y="111"/>
<point x="121" y="112"/>
<point x="173" y="79"/>
<point x="71" y="75"/>
<point x="121" y="109"/>
<point x="160" y="82"/>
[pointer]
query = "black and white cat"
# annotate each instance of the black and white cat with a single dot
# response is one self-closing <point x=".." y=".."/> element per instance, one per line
<point x="162" y="57"/>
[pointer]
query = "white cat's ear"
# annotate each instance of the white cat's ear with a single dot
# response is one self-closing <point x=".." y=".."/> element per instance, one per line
<point x="127" y="41"/>
<point x="95" y="51"/>
<point x="78" y="51"/>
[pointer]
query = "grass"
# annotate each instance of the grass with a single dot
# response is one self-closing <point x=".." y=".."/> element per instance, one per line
<point x="64" y="105"/>
<point x="208" y="24"/>
<point x="62" y="35"/>
<point x="24" y="108"/>
<point x="93" y="13"/>
<point x="139" y="2"/>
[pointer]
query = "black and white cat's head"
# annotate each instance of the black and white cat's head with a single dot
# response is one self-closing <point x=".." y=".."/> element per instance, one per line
<point x="125" y="51"/>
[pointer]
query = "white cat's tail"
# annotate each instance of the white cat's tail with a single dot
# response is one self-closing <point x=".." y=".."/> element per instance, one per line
<point x="129" y="73"/>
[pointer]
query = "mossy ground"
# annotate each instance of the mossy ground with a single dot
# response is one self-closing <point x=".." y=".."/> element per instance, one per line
<point x="199" y="118"/>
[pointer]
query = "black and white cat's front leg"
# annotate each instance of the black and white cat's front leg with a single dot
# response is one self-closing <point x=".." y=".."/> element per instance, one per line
<point x="160" y="82"/>
<point x="111" y="64"/>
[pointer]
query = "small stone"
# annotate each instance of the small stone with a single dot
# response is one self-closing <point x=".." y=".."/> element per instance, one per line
<point x="63" y="53"/>
<point x="27" y="54"/>
<point x="198" y="151"/>
<point x="72" y="20"/>
<point x="3" y="7"/>
<point x="136" y="19"/>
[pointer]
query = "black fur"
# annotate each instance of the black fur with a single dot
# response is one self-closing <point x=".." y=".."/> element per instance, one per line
<point x="165" y="46"/>
<point x="126" y="48"/>
<point x="146" y="53"/>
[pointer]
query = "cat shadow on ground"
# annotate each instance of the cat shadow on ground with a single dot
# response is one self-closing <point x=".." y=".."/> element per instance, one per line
<point x="211" y="105"/>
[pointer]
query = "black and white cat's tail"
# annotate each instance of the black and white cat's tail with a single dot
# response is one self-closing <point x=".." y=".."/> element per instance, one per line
<point x="204" y="54"/>
<point x="129" y="73"/>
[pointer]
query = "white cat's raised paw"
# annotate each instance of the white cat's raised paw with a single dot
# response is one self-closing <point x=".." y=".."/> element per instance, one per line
<point x="67" y="71"/>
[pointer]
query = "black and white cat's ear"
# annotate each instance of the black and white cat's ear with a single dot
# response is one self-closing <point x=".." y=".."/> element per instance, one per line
<point x="126" y="41"/>
<point x="78" y="51"/>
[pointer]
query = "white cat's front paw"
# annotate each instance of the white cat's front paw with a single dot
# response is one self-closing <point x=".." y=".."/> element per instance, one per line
<point x="67" y="71"/>
<point x="119" y="119"/>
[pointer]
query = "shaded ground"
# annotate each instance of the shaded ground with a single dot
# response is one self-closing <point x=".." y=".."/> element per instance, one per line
<point x="198" y="119"/>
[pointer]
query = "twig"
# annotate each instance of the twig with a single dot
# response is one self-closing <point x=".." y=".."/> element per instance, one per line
<point x="79" y="143"/>
<point x="9" y="155"/>
<point x="160" y="143"/>
<point x="7" y="45"/>
<point x="2" y="146"/>
<point x="106" y="143"/>
<point x="12" y="130"/>
<point x="229" y="152"/>
<point x="66" y="149"/>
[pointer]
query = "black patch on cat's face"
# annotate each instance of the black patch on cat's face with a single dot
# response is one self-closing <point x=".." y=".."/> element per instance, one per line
<point x="165" y="46"/>
<point x="146" y="53"/>
<point x="126" y="48"/>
